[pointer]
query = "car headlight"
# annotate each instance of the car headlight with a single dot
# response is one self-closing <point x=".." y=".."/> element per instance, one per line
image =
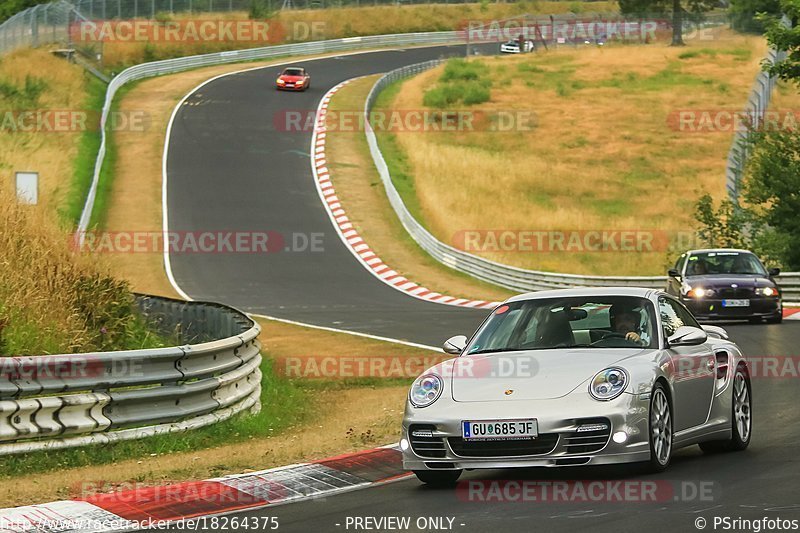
<point x="700" y="292"/>
<point x="299" y="82"/>
<point x="281" y="81"/>
<point x="425" y="390"/>
<point x="766" y="291"/>
<point x="608" y="384"/>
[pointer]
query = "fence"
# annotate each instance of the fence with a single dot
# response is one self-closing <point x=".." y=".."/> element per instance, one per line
<point x="507" y="276"/>
<point x="757" y="104"/>
<point x="60" y="401"/>
<point x="51" y="22"/>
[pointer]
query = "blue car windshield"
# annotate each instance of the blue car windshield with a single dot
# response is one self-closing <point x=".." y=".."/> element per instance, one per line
<point x="573" y="322"/>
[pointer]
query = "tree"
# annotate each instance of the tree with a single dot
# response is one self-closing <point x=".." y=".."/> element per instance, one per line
<point x="678" y="10"/>
<point x="9" y="8"/>
<point x="772" y="192"/>
<point x="744" y="13"/>
<point x="783" y="38"/>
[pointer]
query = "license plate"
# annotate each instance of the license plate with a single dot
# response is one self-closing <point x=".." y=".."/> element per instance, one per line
<point x="290" y="84"/>
<point x="526" y="428"/>
<point x="735" y="303"/>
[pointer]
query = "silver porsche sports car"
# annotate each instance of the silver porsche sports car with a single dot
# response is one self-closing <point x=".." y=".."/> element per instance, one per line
<point x="578" y="377"/>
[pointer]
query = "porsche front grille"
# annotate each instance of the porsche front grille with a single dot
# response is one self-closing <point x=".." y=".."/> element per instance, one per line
<point x="590" y="435"/>
<point x="424" y="443"/>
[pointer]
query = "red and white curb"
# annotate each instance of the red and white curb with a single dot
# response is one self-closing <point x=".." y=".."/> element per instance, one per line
<point x="350" y="236"/>
<point x="791" y="314"/>
<point x="149" y="507"/>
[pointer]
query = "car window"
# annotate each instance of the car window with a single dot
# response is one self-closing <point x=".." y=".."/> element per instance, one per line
<point x="737" y="263"/>
<point x="293" y="72"/>
<point x="552" y="323"/>
<point x="680" y="263"/>
<point x="674" y="315"/>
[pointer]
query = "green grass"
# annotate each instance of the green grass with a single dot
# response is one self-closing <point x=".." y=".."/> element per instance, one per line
<point x="466" y="82"/>
<point x="396" y="160"/>
<point x="83" y="165"/>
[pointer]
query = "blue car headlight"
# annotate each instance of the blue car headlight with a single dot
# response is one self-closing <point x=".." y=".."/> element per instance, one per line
<point x="608" y="384"/>
<point x="425" y="390"/>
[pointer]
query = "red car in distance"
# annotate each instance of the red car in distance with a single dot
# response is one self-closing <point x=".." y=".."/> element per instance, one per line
<point x="293" y="79"/>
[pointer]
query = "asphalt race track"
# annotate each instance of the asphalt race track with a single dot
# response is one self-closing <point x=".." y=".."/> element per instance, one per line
<point x="229" y="168"/>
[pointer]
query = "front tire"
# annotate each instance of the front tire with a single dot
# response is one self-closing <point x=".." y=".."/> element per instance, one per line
<point x="741" y="417"/>
<point x="777" y="319"/>
<point x="438" y="478"/>
<point x="660" y="427"/>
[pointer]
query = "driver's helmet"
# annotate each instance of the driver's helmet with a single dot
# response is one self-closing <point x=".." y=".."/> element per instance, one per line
<point x="620" y="309"/>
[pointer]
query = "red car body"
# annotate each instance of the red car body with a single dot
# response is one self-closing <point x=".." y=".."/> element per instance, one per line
<point x="293" y="79"/>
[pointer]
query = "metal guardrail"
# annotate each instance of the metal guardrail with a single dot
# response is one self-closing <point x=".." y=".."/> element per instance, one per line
<point x="484" y="269"/>
<point x="757" y="104"/>
<point x="59" y="401"/>
<point x="170" y="66"/>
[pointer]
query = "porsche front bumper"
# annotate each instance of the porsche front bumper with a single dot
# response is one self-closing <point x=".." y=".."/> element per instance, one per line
<point x="562" y="441"/>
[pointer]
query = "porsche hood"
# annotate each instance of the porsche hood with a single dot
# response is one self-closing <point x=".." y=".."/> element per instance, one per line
<point x="531" y="375"/>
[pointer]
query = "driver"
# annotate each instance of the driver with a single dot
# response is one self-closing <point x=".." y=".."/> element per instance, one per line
<point x="626" y="321"/>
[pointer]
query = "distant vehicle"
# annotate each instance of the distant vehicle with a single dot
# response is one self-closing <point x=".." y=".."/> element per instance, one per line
<point x="293" y="79"/>
<point x="574" y="377"/>
<point x="512" y="46"/>
<point x="726" y="284"/>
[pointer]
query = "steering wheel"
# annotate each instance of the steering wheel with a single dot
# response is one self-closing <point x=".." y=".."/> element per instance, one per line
<point x="608" y="334"/>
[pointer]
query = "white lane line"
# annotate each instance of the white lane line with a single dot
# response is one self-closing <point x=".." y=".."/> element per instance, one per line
<point x="348" y="332"/>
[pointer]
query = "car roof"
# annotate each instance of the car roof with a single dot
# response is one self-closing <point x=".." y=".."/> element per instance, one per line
<point x="640" y="292"/>
<point x="706" y="250"/>
<point x="294" y="68"/>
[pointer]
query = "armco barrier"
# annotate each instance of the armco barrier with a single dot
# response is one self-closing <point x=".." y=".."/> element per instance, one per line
<point x="59" y="401"/>
<point x="490" y="271"/>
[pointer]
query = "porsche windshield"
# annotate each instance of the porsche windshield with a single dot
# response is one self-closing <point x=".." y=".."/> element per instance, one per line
<point x="552" y="323"/>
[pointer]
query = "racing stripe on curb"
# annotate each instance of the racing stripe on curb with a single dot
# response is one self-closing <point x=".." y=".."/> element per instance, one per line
<point x="131" y="509"/>
<point x="350" y="236"/>
<point x="791" y="314"/>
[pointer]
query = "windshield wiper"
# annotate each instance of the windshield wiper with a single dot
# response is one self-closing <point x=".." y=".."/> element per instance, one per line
<point x="494" y="350"/>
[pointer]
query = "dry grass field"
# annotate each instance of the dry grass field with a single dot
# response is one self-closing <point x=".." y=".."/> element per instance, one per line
<point x="605" y="150"/>
<point x="316" y="24"/>
<point x="33" y="80"/>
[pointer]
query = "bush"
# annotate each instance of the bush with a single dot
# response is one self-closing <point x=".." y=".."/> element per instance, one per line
<point x="462" y="81"/>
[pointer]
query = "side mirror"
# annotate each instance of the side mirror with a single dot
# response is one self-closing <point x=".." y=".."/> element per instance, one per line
<point x="673" y="273"/>
<point x="774" y="271"/>
<point x="716" y="331"/>
<point x="687" y="336"/>
<point x="455" y="345"/>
